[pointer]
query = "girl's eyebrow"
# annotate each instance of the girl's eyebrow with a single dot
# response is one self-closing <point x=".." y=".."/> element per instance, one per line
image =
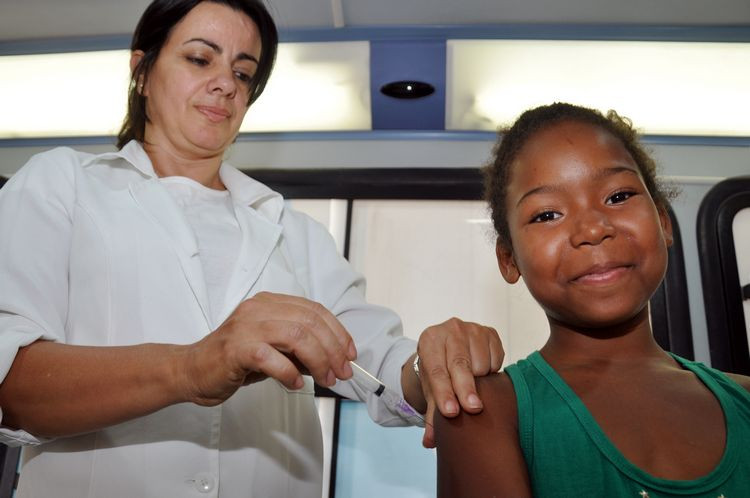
<point x="216" y="48"/>
<point x="603" y="173"/>
<point x="542" y="189"/>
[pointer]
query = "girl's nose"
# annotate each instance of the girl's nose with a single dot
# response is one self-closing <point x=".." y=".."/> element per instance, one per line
<point x="591" y="227"/>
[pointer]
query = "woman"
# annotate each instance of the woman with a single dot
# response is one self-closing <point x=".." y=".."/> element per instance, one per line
<point x="142" y="289"/>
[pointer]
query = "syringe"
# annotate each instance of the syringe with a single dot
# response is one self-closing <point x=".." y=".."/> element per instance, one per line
<point x="370" y="383"/>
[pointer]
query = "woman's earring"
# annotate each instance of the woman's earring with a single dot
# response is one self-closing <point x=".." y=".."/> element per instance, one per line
<point x="140" y="88"/>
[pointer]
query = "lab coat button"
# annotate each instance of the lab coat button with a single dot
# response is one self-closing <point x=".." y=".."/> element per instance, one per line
<point x="204" y="483"/>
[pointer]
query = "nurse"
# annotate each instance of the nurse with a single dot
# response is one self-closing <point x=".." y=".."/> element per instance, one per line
<point x="163" y="316"/>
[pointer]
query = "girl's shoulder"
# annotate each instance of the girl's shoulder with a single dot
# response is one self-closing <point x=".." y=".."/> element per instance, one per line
<point x="499" y="410"/>
<point x="497" y="393"/>
<point x="470" y="447"/>
<point x="742" y="380"/>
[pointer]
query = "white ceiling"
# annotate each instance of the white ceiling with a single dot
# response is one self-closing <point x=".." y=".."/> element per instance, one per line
<point x="34" y="19"/>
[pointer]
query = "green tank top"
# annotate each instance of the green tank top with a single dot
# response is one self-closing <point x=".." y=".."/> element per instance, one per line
<point x="568" y="454"/>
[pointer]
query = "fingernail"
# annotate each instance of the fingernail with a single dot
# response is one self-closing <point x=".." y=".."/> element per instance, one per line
<point x="451" y="407"/>
<point x="347" y="369"/>
<point x="474" y="401"/>
<point x="299" y="383"/>
<point x="352" y="351"/>
<point x="330" y="378"/>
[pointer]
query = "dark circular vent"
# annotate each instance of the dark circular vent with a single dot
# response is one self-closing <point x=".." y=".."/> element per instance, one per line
<point x="407" y="89"/>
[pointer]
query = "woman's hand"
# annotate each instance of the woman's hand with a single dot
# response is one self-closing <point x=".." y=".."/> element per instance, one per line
<point x="55" y="389"/>
<point x="451" y="354"/>
<point x="268" y="335"/>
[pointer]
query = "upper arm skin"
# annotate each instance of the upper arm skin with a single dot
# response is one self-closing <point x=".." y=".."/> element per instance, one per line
<point x="480" y="455"/>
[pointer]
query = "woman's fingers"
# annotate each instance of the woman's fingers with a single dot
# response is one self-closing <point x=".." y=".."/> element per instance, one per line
<point x="268" y="361"/>
<point x="452" y="354"/>
<point x="436" y="380"/>
<point x="497" y="352"/>
<point x="270" y="335"/>
<point x="320" y="355"/>
<point x="461" y="366"/>
<point x="333" y="326"/>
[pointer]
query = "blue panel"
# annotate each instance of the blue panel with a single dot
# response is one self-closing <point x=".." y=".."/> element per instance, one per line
<point x="422" y="60"/>
<point x="383" y="135"/>
<point x="374" y="461"/>
<point x="64" y="45"/>
<point x="515" y="31"/>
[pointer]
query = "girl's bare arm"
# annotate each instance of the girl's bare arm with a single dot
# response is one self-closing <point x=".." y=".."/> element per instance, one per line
<point x="480" y="455"/>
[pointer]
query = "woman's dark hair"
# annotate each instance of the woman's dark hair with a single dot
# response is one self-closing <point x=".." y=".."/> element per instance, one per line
<point x="511" y="140"/>
<point x="157" y="22"/>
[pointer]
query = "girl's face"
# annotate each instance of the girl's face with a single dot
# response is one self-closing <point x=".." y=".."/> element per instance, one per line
<point x="197" y="91"/>
<point x="587" y="238"/>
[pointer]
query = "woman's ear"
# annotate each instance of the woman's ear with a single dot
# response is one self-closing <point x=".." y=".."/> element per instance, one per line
<point x="666" y="225"/>
<point x="135" y="58"/>
<point x="507" y="263"/>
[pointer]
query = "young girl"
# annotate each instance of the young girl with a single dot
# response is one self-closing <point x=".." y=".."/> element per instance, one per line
<point x="601" y="409"/>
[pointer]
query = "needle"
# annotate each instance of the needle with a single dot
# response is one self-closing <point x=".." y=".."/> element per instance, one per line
<point x="370" y="383"/>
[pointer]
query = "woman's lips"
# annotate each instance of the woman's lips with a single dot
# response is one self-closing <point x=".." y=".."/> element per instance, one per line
<point x="214" y="114"/>
<point x="602" y="274"/>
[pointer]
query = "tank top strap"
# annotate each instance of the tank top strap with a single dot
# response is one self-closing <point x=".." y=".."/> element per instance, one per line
<point x="525" y="410"/>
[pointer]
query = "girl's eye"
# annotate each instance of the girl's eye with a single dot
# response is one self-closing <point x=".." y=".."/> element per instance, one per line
<point x="198" y="61"/>
<point x="620" y="197"/>
<point x="545" y="216"/>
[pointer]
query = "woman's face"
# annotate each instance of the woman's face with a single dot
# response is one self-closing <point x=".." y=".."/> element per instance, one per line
<point x="198" y="89"/>
<point x="587" y="237"/>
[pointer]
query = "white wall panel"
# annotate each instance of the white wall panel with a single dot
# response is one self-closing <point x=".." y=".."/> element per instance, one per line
<point x="331" y="213"/>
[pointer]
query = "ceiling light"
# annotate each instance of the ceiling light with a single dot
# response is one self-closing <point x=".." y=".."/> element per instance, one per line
<point x="673" y="88"/>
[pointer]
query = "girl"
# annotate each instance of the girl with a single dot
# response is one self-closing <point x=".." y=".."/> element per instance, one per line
<point x="601" y="409"/>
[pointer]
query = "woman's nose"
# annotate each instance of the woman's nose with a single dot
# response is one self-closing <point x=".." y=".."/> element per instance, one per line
<point x="591" y="227"/>
<point x="223" y="82"/>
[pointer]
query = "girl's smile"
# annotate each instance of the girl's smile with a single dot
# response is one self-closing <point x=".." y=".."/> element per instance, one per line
<point x="602" y="274"/>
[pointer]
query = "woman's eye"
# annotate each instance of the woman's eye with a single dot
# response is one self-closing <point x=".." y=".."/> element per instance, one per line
<point x="243" y="77"/>
<point x="198" y="61"/>
<point x="545" y="216"/>
<point x="619" y="197"/>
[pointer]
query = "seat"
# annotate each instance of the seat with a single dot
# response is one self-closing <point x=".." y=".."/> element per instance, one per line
<point x="670" y="320"/>
<point x="723" y="227"/>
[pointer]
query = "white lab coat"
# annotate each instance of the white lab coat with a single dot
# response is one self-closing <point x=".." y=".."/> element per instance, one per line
<point x="94" y="251"/>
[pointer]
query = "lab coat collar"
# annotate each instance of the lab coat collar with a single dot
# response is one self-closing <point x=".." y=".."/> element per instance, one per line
<point x="133" y="153"/>
<point x="246" y="191"/>
<point x="243" y="189"/>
